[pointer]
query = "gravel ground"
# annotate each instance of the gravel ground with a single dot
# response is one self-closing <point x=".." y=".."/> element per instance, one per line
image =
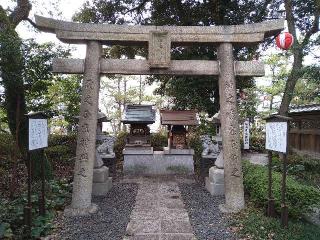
<point x="110" y="222"/>
<point x="206" y="219"/>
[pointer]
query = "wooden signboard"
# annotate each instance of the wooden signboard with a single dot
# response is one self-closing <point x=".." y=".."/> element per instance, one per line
<point x="276" y="136"/>
<point x="38" y="133"/>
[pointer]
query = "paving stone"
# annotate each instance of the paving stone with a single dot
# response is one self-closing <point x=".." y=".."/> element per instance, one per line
<point x="172" y="226"/>
<point x="178" y="236"/>
<point x="143" y="237"/>
<point x="174" y="214"/>
<point x="159" y="212"/>
<point x="145" y="214"/>
<point x="171" y="203"/>
<point x="143" y="226"/>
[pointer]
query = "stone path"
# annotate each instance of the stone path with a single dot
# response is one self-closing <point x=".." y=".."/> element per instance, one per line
<point x="159" y="212"/>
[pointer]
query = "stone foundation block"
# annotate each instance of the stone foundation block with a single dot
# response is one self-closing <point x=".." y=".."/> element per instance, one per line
<point x="101" y="188"/>
<point x="214" y="188"/>
<point x="76" y="212"/>
<point x="216" y="175"/>
<point x="100" y="175"/>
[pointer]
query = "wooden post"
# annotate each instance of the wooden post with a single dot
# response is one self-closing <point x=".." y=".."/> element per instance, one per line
<point x="28" y="208"/>
<point x="270" y="207"/>
<point x="42" y="200"/>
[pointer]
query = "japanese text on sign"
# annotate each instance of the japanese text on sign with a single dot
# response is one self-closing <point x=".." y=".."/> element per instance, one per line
<point x="276" y="136"/>
<point x="38" y="133"/>
<point x="246" y="134"/>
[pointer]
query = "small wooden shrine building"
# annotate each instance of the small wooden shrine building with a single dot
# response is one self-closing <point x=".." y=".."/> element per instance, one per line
<point x="177" y="121"/>
<point x="139" y="116"/>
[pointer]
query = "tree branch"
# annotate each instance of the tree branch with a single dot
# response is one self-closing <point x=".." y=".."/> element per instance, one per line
<point x="137" y="8"/>
<point x="32" y="23"/>
<point x="20" y="12"/>
<point x="290" y="20"/>
<point x="314" y="29"/>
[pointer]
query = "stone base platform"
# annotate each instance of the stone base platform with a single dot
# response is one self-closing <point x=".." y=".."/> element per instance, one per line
<point x="215" y="182"/>
<point x="158" y="163"/>
<point x="102" y="183"/>
<point x="134" y="150"/>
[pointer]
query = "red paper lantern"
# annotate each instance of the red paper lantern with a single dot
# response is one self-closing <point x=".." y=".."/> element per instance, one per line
<point x="284" y="40"/>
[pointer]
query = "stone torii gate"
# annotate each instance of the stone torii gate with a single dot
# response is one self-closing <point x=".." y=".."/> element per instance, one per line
<point x="159" y="40"/>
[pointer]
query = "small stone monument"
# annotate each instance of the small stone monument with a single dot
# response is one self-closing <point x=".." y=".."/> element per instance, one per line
<point x="102" y="183"/>
<point x="210" y="149"/>
<point x="215" y="182"/>
<point x="209" y="154"/>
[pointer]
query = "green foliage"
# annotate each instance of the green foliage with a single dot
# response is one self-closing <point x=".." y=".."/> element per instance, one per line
<point x="302" y="168"/>
<point x="158" y="141"/>
<point x="248" y="103"/>
<point x="205" y="128"/>
<point x="199" y="92"/>
<point x="11" y="211"/>
<point x="6" y="145"/>
<point x="37" y="157"/>
<point x="11" y="79"/>
<point x="299" y="197"/>
<point x="61" y="148"/>
<point x="251" y="223"/>
<point x="257" y="140"/>
<point x="119" y="145"/>
<point x="196" y="144"/>
<point x="37" y="73"/>
<point x="66" y="92"/>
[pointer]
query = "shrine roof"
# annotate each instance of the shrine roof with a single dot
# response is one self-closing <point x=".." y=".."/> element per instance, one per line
<point x="179" y="117"/>
<point x="139" y="114"/>
<point x="305" y="108"/>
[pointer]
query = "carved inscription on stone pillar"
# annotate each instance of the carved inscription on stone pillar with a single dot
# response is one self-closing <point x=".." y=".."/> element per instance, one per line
<point x="85" y="154"/>
<point x="230" y="130"/>
<point x="159" y="49"/>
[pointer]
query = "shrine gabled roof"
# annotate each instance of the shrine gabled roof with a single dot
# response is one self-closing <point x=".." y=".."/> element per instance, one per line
<point x="179" y="117"/>
<point x="139" y="114"/>
<point x="305" y="108"/>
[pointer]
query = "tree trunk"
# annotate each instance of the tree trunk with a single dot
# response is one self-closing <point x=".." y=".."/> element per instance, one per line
<point x="296" y="72"/>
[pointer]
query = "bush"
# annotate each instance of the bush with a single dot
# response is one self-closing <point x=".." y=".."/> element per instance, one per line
<point x="299" y="197"/>
<point x="11" y="211"/>
<point x="59" y="153"/>
<point x="196" y="144"/>
<point x="251" y="223"/>
<point x="119" y="145"/>
<point x="158" y="141"/>
<point x="6" y="144"/>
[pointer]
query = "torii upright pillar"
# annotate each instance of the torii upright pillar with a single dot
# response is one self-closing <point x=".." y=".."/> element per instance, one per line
<point x="234" y="193"/>
<point x="86" y="141"/>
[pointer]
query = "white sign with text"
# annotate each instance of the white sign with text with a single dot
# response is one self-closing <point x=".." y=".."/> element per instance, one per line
<point x="38" y="133"/>
<point x="276" y="136"/>
<point x="246" y="134"/>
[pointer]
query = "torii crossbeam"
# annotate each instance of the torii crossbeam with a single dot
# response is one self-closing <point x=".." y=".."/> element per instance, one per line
<point x="159" y="40"/>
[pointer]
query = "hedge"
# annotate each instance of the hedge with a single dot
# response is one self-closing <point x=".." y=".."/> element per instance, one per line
<point x="299" y="197"/>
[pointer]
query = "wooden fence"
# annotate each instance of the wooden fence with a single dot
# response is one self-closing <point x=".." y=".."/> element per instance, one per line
<point x="305" y="133"/>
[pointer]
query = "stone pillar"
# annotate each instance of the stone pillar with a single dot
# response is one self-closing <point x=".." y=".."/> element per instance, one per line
<point x="234" y="193"/>
<point x="86" y="139"/>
